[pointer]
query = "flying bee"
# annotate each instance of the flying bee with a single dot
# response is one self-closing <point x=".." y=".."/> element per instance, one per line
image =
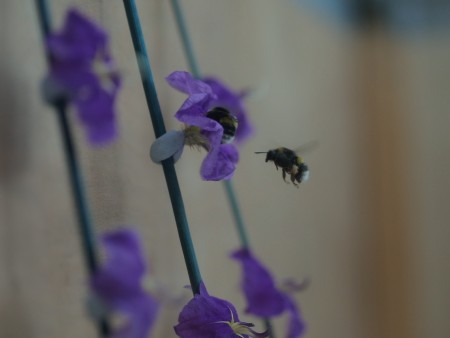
<point x="226" y="120"/>
<point x="289" y="162"/>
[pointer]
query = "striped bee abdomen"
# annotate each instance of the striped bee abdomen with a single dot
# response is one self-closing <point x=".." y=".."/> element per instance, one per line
<point x="226" y="120"/>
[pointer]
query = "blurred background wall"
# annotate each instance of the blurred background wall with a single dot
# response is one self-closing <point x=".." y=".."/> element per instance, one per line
<point x="370" y="229"/>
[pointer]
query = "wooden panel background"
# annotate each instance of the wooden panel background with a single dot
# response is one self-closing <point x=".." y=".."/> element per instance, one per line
<point x="370" y="228"/>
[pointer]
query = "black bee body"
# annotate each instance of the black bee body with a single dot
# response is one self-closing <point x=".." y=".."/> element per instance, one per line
<point x="226" y="120"/>
<point x="281" y="157"/>
<point x="290" y="163"/>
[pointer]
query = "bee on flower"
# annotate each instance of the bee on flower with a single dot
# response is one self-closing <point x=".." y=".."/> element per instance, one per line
<point x="212" y="116"/>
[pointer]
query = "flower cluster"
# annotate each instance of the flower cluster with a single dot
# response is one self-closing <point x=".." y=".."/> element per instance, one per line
<point x="264" y="299"/>
<point x="117" y="284"/>
<point x="202" y="131"/>
<point x="83" y="73"/>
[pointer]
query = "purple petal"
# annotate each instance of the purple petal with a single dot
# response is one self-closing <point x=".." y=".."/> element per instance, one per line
<point x="78" y="41"/>
<point x="74" y="53"/>
<point x="212" y="130"/>
<point x="202" y="316"/>
<point x="220" y="163"/>
<point x="198" y="102"/>
<point x="186" y="83"/>
<point x="120" y="276"/>
<point x="141" y="313"/>
<point x="263" y="298"/>
<point x="233" y="101"/>
<point x="118" y="284"/>
<point x="230" y="152"/>
<point x="296" y="325"/>
<point x="97" y="113"/>
<point x="194" y="116"/>
<point x="195" y="105"/>
<point x="75" y="80"/>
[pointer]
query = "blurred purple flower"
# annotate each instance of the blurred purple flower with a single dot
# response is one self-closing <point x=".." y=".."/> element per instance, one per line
<point x="206" y="316"/>
<point x="296" y="326"/>
<point x="263" y="298"/>
<point x="83" y="72"/>
<point x="118" y="284"/>
<point x="201" y="131"/>
<point x="233" y="101"/>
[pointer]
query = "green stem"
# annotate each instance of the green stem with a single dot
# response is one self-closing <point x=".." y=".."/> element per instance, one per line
<point x="159" y="129"/>
<point x="186" y="41"/>
<point x="236" y="211"/>
<point x="195" y="70"/>
<point x="232" y="200"/>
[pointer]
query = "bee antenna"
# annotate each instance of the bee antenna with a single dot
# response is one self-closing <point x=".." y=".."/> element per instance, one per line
<point x="260" y="152"/>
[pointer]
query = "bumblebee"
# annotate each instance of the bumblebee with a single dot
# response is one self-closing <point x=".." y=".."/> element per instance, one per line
<point x="226" y="120"/>
<point x="289" y="162"/>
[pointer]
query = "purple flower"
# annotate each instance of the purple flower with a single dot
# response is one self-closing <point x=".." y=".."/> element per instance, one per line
<point x="82" y="71"/>
<point x="220" y="164"/>
<point x="118" y="284"/>
<point x="296" y="326"/>
<point x="263" y="298"/>
<point x="233" y="101"/>
<point x="200" y="131"/>
<point x="206" y="316"/>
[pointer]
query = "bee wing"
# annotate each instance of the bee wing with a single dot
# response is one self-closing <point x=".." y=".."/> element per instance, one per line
<point x="307" y="147"/>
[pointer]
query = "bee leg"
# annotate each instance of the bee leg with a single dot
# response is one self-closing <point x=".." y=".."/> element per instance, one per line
<point x="276" y="166"/>
<point x="293" y="180"/>
<point x="284" y="175"/>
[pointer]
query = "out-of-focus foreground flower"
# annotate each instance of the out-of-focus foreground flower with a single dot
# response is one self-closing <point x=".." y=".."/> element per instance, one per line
<point x="206" y="316"/>
<point x="263" y="298"/>
<point x="83" y="73"/>
<point x="212" y="115"/>
<point x="117" y="284"/>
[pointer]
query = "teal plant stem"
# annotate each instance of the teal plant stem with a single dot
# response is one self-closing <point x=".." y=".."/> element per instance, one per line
<point x="86" y="227"/>
<point x="159" y="129"/>
<point x="195" y="70"/>
<point x="186" y="41"/>
<point x="237" y="215"/>
<point x="194" y="67"/>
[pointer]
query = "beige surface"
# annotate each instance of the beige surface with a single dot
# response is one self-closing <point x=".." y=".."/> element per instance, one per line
<point x="370" y="228"/>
